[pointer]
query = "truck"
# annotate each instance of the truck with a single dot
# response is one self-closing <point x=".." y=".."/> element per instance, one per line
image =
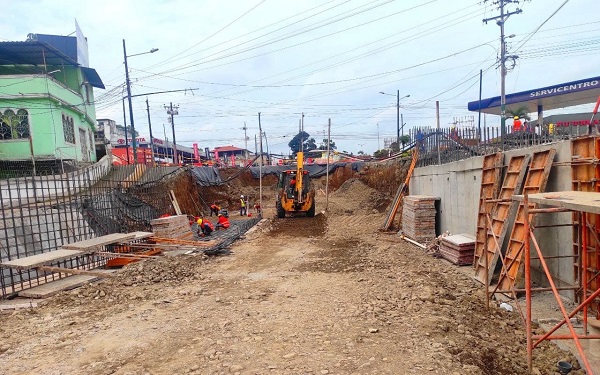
<point x="295" y="193"/>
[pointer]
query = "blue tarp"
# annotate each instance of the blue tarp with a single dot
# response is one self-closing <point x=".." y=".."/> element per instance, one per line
<point x="206" y="176"/>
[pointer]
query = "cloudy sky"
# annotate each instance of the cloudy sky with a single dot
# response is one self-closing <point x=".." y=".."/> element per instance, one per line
<point x="328" y="59"/>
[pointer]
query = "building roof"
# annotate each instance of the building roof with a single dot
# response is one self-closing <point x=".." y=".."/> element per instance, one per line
<point x="563" y="95"/>
<point x="41" y="54"/>
<point x="227" y="149"/>
<point x="32" y="53"/>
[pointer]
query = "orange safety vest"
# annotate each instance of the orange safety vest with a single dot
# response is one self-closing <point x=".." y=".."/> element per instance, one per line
<point x="206" y="222"/>
<point x="224" y="221"/>
<point x="517" y="125"/>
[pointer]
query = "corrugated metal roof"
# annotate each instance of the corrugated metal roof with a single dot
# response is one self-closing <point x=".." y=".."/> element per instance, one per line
<point x="32" y="53"/>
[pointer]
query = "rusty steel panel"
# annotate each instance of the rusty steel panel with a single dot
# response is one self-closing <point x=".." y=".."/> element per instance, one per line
<point x="491" y="176"/>
<point x="585" y="172"/>
<point x="535" y="182"/>
<point x="499" y="216"/>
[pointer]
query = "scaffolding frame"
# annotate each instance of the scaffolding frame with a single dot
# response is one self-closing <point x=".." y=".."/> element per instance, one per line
<point x="559" y="202"/>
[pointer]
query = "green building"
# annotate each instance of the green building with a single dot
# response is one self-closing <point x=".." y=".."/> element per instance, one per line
<point x="46" y="100"/>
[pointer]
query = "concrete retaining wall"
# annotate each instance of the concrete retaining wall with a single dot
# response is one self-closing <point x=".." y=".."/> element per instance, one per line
<point x="458" y="185"/>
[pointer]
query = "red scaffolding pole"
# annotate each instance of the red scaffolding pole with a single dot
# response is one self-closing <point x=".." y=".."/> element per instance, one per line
<point x="586" y="203"/>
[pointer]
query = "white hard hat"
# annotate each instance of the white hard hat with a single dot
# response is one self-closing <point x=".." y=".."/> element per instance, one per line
<point x="241" y="196"/>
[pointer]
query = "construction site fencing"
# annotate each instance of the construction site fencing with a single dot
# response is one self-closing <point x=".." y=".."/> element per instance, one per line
<point x="44" y="208"/>
<point x="445" y="145"/>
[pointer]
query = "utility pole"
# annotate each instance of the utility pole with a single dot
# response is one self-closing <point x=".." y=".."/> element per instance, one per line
<point x="267" y="143"/>
<point x="150" y="130"/>
<point x="173" y="112"/>
<point x="402" y="126"/>
<point x="130" y="106"/>
<point x="126" y="140"/>
<point x="398" y="117"/>
<point x="245" y="141"/>
<point x="437" y="135"/>
<point x="500" y="20"/>
<point x="327" y="172"/>
<point x="260" y="166"/>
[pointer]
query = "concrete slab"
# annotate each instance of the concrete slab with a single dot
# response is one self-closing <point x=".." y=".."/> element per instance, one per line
<point x="53" y="287"/>
<point x="94" y="243"/>
<point x="17" y="304"/>
<point x="34" y="261"/>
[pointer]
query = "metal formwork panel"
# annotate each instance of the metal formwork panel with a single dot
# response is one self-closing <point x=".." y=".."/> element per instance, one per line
<point x="517" y="166"/>
<point x="491" y="177"/>
<point x="585" y="171"/>
<point x="535" y="182"/>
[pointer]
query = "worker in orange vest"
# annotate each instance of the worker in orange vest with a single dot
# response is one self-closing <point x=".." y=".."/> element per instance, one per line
<point x="214" y="209"/>
<point x="222" y="223"/>
<point x="517" y="125"/>
<point x="205" y="227"/>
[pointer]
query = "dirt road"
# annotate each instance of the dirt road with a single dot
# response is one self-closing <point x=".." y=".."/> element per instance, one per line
<point x="328" y="295"/>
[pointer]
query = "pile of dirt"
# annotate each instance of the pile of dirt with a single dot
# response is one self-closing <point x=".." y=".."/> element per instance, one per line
<point x="355" y="196"/>
<point x="123" y="285"/>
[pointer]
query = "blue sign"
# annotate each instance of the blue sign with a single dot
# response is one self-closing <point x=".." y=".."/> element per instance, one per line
<point x="545" y="92"/>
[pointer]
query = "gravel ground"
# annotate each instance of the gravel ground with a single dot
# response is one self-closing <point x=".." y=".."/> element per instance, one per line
<point x="323" y="295"/>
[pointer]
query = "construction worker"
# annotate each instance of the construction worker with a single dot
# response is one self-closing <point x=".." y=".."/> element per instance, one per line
<point x="517" y="125"/>
<point x="222" y="223"/>
<point x="453" y="133"/>
<point x="205" y="227"/>
<point x="243" y="210"/>
<point x="214" y="209"/>
<point x="551" y="129"/>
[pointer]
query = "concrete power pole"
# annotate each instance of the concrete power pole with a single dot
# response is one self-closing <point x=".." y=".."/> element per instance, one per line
<point x="173" y="111"/>
<point x="328" y="150"/>
<point x="245" y="141"/>
<point x="260" y="165"/>
<point x="500" y="20"/>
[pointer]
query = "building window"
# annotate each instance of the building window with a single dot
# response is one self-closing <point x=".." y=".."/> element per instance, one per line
<point x="14" y="125"/>
<point x="91" y="134"/>
<point x="68" y="128"/>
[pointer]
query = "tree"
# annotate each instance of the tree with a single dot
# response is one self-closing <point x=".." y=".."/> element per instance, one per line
<point x="522" y="112"/>
<point x="323" y="145"/>
<point x="404" y="140"/>
<point x="380" y="154"/>
<point x="302" y="138"/>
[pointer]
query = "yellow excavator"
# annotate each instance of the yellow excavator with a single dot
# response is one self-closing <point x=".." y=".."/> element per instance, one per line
<point x="295" y="192"/>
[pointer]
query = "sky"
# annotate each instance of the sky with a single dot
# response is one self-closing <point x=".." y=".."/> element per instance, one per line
<point x="328" y="59"/>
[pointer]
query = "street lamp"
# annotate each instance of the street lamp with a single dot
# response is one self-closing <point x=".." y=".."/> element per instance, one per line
<point x="129" y="97"/>
<point x="397" y="112"/>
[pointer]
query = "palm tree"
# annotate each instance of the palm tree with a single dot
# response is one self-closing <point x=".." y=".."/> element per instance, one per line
<point x="522" y="112"/>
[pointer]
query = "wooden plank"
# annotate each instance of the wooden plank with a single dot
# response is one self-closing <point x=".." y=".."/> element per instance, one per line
<point x="94" y="243"/>
<point x="37" y="260"/>
<point x="401" y="191"/>
<point x="583" y="201"/>
<point x="72" y="271"/>
<point x="174" y="202"/>
<point x="141" y="235"/>
<point x="53" y="287"/>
